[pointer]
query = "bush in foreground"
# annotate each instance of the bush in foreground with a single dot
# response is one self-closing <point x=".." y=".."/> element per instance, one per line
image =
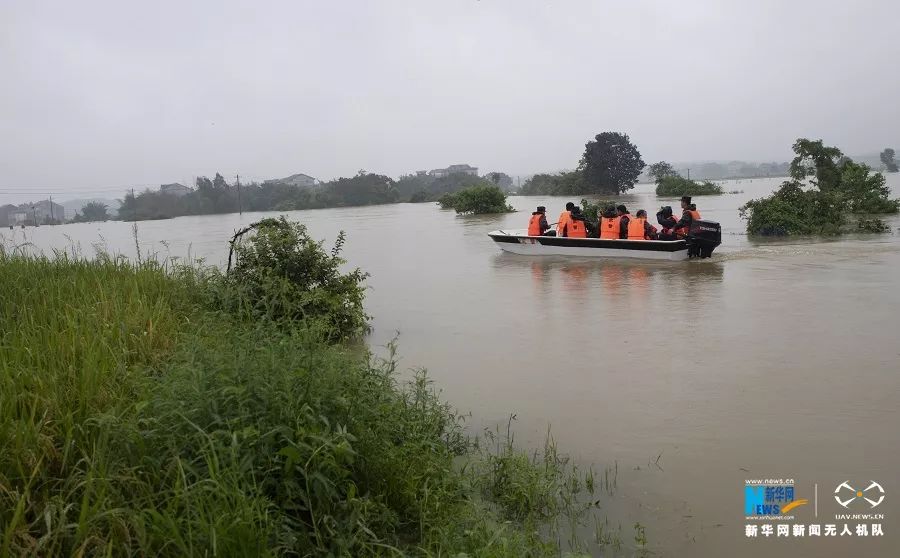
<point x="282" y="274"/>
<point x="140" y="416"/>
<point x="484" y="198"/>
<point x="674" y="185"/>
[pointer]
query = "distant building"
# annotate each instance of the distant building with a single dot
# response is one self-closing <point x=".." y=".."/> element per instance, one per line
<point x="43" y="211"/>
<point x="299" y="180"/>
<point x="454" y="169"/>
<point x="6" y="215"/>
<point x="175" y="189"/>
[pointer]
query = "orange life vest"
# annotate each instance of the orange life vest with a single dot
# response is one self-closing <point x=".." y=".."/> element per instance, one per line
<point x="575" y="229"/>
<point x="695" y="216"/>
<point x="609" y="227"/>
<point x="534" y="225"/>
<point x="636" y="228"/>
<point x="564" y="218"/>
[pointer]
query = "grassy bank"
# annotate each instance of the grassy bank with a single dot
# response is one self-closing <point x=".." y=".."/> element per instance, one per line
<point x="140" y="415"/>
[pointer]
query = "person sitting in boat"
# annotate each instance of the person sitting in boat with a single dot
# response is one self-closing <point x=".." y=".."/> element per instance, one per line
<point x="667" y="221"/>
<point x="563" y="219"/>
<point x="624" y="217"/>
<point x="639" y="228"/>
<point x="537" y="225"/>
<point x="614" y="223"/>
<point x="576" y="226"/>
<point x="689" y="214"/>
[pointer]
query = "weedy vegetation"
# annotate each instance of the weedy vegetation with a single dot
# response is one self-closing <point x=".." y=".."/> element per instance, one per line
<point x="156" y="409"/>
<point x="478" y="199"/>
<point x="674" y="186"/>
<point x="828" y="194"/>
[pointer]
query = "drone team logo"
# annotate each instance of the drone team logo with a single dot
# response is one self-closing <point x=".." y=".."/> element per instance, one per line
<point x="845" y="494"/>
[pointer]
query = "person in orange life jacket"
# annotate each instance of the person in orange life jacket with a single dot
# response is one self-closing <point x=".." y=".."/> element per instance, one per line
<point x="639" y="228"/>
<point x="563" y="219"/>
<point x="609" y="223"/>
<point x="689" y="215"/>
<point x="537" y="225"/>
<point x="615" y="225"/>
<point x="624" y="217"/>
<point x="576" y="226"/>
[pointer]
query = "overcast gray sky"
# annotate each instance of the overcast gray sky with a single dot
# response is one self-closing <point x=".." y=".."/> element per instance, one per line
<point x="101" y="95"/>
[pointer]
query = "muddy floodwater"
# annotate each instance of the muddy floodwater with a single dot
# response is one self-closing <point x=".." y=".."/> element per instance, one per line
<point x="772" y="360"/>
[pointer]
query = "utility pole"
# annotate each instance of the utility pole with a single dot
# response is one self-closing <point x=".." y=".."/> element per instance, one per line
<point x="134" y="205"/>
<point x="237" y="180"/>
<point x="51" y="209"/>
<point x="689" y="174"/>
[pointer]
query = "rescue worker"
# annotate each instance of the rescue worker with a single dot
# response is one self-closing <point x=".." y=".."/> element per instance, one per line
<point x="624" y="217"/>
<point x="610" y="224"/>
<point x="639" y="228"/>
<point x="575" y="227"/>
<point x="667" y="221"/>
<point x="537" y="225"/>
<point x="563" y="219"/>
<point x="689" y="214"/>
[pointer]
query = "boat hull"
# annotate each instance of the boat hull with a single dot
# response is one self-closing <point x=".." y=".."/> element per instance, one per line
<point x="518" y="243"/>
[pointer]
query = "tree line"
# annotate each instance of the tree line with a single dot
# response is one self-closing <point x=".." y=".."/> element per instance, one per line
<point x="217" y="195"/>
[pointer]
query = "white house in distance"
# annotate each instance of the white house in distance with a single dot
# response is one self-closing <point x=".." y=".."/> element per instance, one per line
<point x="175" y="189"/>
<point x="454" y="169"/>
<point x="300" y="180"/>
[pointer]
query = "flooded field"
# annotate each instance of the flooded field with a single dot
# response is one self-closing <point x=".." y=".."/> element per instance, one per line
<point x="771" y="360"/>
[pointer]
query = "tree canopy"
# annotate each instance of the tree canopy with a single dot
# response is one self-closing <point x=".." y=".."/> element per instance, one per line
<point x="92" y="211"/>
<point x="661" y="170"/>
<point x="839" y="189"/>
<point x="611" y="164"/>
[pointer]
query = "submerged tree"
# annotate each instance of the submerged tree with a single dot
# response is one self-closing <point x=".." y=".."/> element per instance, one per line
<point x="839" y="189"/>
<point x="817" y="161"/>
<point x="93" y="211"/>
<point x="660" y="170"/>
<point x="887" y="159"/>
<point x="611" y="164"/>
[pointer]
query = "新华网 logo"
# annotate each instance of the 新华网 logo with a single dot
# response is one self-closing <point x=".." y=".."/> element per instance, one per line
<point x="845" y="494"/>
<point x="770" y="500"/>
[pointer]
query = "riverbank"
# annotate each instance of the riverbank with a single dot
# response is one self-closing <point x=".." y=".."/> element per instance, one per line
<point x="139" y="417"/>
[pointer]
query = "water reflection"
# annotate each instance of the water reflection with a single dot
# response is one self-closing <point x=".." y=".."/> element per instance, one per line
<point x="612" y="277"/>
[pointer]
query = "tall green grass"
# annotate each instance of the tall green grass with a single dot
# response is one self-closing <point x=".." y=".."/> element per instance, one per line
<point x="137" y="417"/>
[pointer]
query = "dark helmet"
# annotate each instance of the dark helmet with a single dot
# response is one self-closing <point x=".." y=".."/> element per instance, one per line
<point x="686" y="199"/>
<point x="622" y="208"/>
<point x="541" y="209"/>
<point x="569" y="206"/>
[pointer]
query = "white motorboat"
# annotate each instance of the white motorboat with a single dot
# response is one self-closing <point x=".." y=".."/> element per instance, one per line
<point x="704" y="237"/>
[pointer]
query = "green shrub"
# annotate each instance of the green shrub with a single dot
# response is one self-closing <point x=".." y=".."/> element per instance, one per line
<point x="483" y="198"/>
<point x="141" y="416"/>
<point x="671" y="186"/>
<point x="593" y="210"/>
<point x="872" y="225"/>
<point x="280" y="273"/>
<point x="791" y="210"/>
<point x="447" y="201"/>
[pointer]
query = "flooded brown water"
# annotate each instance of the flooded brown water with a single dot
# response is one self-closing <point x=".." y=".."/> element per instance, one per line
<point x="771" y="360"/>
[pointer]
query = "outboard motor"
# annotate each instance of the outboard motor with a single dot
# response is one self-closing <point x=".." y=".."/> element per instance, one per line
<point x="703" y="238"/>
